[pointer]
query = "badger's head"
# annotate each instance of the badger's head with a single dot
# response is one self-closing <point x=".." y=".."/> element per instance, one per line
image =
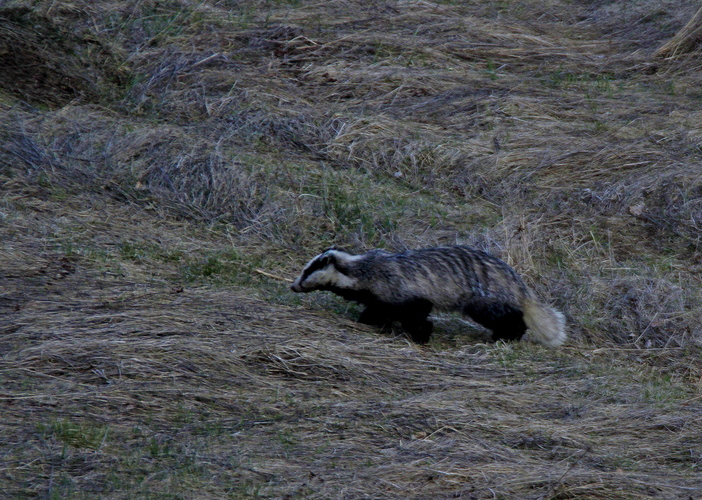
<point x="330" y="270"/>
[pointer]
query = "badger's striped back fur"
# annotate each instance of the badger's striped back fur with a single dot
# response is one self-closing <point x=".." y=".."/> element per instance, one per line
<point x="406" y="286"/>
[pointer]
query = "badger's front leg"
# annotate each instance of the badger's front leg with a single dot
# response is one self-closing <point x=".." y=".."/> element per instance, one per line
<point x="419" y="332"/>
<point x="376" y="315"/>
<point x="413" y="317"/>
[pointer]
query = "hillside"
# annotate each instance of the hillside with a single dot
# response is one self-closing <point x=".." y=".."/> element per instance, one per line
<point x="165" y="166"/>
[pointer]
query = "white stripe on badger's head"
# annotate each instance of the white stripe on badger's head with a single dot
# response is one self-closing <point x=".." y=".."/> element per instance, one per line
<point x="328" y="270"/>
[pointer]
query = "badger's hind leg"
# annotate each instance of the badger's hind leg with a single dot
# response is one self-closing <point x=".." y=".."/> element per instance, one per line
<point x="505" y="321"/>
<point x="510" y="327"/>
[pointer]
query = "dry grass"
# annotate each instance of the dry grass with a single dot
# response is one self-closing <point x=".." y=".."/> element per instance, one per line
<point x="120" y="385"/>
<point x="154" y="154"/>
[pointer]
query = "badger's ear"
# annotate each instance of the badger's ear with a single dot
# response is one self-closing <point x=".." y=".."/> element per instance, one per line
<point x="327" y="258"/>
<point x="338" y="249"/>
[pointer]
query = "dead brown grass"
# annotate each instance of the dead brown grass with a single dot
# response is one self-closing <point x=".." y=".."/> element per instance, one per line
<point x="154" y="155"/>
<point x="118" y="385"/>
<point x="686" y="40"/>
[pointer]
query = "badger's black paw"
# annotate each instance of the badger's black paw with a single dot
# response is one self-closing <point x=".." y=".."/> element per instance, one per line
<point x="421" y="333"/>
<point x="507" y="334"/>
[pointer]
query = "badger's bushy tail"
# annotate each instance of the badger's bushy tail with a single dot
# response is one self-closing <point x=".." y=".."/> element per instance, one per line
<point x="546" y="324"/>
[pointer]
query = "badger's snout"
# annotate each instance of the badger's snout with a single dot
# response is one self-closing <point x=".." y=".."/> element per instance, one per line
<point x="295" y="287"/>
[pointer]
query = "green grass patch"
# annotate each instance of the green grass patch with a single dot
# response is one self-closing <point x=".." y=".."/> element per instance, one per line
<point x="219" y="267"/>
<point x="142" y="252"/>
<point x="76" y="434"/>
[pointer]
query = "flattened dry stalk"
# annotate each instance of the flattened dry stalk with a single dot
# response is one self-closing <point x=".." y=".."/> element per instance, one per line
<point x="684" y="41"/>
<point x="273" y="276"/>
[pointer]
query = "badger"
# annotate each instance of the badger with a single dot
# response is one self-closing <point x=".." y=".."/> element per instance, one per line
<point x="406" y="286"/>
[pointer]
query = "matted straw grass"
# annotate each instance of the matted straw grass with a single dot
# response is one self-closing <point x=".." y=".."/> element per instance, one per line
<point x="118" y="384"/>
<point x="163" y="163"/>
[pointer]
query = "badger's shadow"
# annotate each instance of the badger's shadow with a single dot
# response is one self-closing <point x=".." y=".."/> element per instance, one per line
<point x="449" y="330"/>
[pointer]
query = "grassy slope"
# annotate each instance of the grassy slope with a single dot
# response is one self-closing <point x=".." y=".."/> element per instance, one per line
<point x="154" y="155"/>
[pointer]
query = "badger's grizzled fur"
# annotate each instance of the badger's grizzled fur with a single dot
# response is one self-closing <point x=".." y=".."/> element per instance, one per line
<point x="406" y="286"/>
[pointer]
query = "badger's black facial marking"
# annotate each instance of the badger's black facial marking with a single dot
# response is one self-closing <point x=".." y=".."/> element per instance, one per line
<point x="315" y="265"/>
<point x="321" y="262"/>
